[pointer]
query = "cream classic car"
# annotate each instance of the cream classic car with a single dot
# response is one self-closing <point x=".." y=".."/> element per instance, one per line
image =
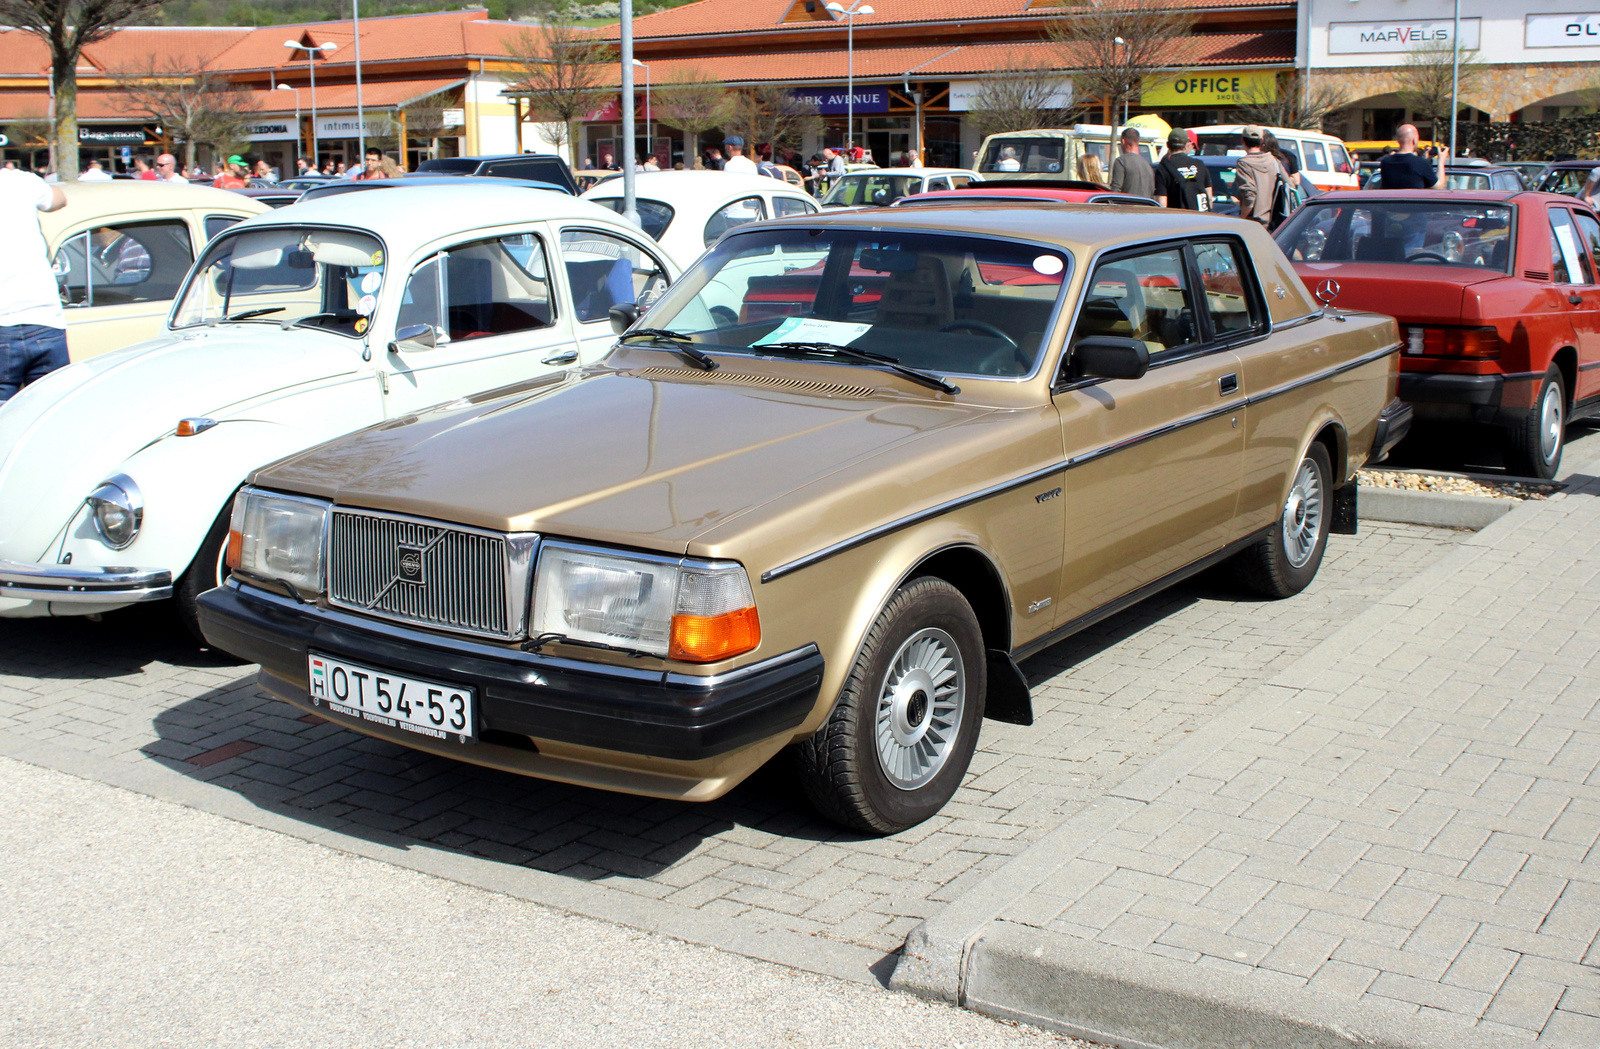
<point x="121" y="249"/>
<point x="686" y="211"/>
<point x="926" y="443"/>
<point x="116" y="473"/>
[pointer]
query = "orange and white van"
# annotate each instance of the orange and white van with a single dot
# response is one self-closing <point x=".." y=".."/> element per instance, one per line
<point x="1324" y="161"/>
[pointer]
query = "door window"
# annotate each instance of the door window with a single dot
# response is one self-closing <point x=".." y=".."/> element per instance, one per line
<point x="479" y="289"/>
<point x="217" y="223"/>
<point x="1316" y="156"/>
<point x="605" y="271"/>
<point x="1229" y="302"/>
<point x="1569" y="263"/>
<point x="960" y="181"/>
<point x="738" y="213"/>
<point x="1589" y="237"/>
<point x="783" y="207"/>
<point x="126" y="263"/>
<point x="938" y="183"/>
<point x="1145" y="297"/>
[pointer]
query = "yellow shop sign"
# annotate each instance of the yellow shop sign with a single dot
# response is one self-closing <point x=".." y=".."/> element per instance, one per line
<point x="1209" y="87"/>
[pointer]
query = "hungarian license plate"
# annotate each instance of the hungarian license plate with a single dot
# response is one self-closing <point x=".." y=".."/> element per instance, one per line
<point x="428" y="708"/>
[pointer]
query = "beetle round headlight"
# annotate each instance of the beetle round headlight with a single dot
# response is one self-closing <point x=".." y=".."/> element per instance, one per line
<point x="117" y="507"/>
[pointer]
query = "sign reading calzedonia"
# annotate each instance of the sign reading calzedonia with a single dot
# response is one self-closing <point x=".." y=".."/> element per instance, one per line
<point x="1575" y="30"/>
<point x="1376" y="38"/>
<point x="1210" y="87"/>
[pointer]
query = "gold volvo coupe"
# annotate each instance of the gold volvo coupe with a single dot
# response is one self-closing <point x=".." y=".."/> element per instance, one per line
<point x="846" y="472"/>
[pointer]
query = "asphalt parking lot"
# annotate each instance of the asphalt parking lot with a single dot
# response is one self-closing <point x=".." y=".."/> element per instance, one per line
<point x="130" y="701"/>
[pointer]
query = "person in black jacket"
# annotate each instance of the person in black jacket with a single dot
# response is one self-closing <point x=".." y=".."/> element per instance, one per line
<point x="1181" y="180"/>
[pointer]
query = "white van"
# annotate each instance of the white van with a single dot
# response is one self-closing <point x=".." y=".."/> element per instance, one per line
<point x="1052" y="153"/>
<point x="1323" y="159"/>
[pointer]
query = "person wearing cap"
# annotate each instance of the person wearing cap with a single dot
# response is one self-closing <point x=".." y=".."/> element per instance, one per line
<point x="737" y="162"/>
<point x="231" y="176"/>
<point x="1131" y="172"/>
<point x="1181" y="180"/>
<point x="1256" y="178"/>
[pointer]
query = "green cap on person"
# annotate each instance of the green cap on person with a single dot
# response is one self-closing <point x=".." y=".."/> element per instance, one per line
<point x="236" y="159"/>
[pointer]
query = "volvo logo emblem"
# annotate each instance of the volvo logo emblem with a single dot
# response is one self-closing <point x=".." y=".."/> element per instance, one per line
<point x="410" y="564"/>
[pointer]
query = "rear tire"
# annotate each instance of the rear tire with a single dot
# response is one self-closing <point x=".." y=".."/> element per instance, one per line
<point x="900" y="738"/>
<point x="205" y="572"/>
<point x="1533" y="446"/>
<point x="1286" y="561"/>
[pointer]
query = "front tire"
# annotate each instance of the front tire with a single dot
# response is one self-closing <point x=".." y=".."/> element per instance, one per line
<point x="900" y="738"/>
<point x="1284" y="562"/>
<point x="205" y="572"/>
<point x="1533" y="446"/>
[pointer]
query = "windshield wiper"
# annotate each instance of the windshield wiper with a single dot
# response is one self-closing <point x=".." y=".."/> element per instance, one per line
<point x="677" y="340"/>
<point x="850" y="353"/>
<point x="247" y="314"/>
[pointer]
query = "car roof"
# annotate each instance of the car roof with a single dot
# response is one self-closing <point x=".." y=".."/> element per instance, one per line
<point x="979" y="192"/>
<point x="692" y="181"/>
<point x="116" y="193"/>
<point x="1571" y="163"/>
<point x="424" y="214"/>
<point x="923" y="172"/>
<point x="1473" y="196"/>
<point x="334" y="187"/>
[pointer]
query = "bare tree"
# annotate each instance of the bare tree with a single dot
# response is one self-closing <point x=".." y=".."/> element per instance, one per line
<point x="1021" y="97"/>
<point x="426" y="119"/>
<point x="1291" y="103"/>
<point x="770" y="114"/>
<point x="562" y="70"/>
<point x="693" y="103"/>
<point x="1112" y="45"/>
<point x="194" y="108"/>
<point x="29" y="133"/>
<point x="66" y="27"/>
<point x="1424" y="83"/>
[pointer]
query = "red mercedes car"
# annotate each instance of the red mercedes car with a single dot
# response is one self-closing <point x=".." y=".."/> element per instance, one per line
<point x="1013" y="191"/>
<point x="1497" y="295"/>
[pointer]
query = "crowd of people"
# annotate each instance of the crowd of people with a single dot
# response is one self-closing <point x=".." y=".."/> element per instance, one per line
<point x="234" y="172"/>
<point x="817" y="173"/>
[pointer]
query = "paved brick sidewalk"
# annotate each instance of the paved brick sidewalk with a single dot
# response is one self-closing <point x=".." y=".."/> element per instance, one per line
<point x="116" y="696"/>
<point x="1402" y="825"/>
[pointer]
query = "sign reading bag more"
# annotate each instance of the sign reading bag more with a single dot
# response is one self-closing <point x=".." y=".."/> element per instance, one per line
<point x="1211" y="87"/>
<point x="1378" y="38"/>
<point x="1575" y="30"/>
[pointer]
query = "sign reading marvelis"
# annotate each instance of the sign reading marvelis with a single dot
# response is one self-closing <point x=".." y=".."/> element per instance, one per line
<point x="1373" y="38"/>
<point x="1575" y="30"/>
<point x="836" y="99"/>
<point x="1210" y="87"/>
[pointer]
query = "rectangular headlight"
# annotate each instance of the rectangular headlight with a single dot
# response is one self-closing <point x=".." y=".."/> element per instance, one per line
<point x="278" y="538"/>
<point x="690" y="610"/>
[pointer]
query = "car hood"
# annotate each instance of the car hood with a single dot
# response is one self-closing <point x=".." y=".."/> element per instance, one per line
<point x="1406" y="292"/>
<point x="66" y="433"/>
<point x="649" y="458"/>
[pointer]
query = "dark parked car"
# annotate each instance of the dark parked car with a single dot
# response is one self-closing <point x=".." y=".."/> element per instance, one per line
<point x="1475" y="177"/>
<point x="532" y="166"/>
<point x="1568" y="177"/>
<point x="341" y="185"/>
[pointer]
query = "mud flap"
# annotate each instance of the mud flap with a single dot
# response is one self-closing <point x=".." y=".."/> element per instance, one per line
<point x="1009" y="700"/>
<point x="1343" y="521"/>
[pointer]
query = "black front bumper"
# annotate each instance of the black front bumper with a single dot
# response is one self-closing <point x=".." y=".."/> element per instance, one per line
<point x="637" y="711"/>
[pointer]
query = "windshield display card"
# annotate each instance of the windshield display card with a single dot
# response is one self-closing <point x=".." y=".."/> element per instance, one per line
<point x="814" y="329"/>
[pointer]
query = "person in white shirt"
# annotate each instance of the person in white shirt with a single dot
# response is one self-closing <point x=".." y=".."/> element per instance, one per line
<point x="737" y="161"/>
<point x="33" y="327"/>
<point x="167" y="169"/>
<point x="1008" y="160"/>
<point x="95" y="173"/>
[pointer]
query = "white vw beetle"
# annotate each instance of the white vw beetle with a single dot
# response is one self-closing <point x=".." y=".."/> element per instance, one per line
<point x="688" y="211"/>
<point x="116" y="473"/>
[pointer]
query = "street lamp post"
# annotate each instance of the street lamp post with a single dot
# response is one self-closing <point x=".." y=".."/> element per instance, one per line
<point x="299" y="143"/>
<point x="1455" y="77"/>
<point x="849" y="14"/>
<point x="311" y="65"/>
<point x="649" y="131"/>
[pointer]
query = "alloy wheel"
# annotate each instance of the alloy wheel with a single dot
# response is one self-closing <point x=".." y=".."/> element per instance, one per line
<point x="1302" y="515"/>
<point x="919" y="709"/>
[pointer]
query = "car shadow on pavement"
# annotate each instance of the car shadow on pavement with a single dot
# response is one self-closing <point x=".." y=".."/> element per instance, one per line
<point x="119" y="644"/>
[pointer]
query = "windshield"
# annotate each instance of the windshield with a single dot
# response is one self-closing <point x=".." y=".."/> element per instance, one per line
<point x="1222" y="179"/>
<point x="880" y="190"/>
<point x="1569" y="181"/>
<point x="325" y="278"/>
<point x="1040" y="155"/>
<point x="1401" y="231"/>
<point x="933" y="301"/>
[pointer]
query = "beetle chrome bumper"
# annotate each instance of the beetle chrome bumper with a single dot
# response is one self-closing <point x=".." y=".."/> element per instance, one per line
<point x="70" y="584"/>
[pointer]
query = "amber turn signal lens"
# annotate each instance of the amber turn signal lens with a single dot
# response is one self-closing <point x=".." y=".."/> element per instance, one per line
<point x="235" y="549"/>
<point x="706" y="639"/>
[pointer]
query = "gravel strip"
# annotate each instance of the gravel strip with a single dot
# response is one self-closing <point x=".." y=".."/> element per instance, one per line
<point x="1424" y="482"/>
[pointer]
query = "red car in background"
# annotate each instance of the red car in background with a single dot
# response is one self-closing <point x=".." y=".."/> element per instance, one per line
<point x="1013" y="191"/>
<point x="1497" y="295"/>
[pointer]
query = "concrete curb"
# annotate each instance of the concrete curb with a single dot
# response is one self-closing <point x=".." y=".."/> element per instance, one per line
<point x="969" y="955"/>
<point x="1436" y="509"/>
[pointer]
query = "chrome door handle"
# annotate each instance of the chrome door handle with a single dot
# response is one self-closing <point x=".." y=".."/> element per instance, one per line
<point x="1228" y="384"/>
<point x="565" y="357"/>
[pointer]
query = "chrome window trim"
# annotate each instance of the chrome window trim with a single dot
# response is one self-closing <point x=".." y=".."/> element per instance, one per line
<point x="1042" y="473"/>
<point x="520" y="548"/>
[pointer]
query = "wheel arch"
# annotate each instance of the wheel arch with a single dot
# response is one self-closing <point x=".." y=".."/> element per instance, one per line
<point x="1566" y="361"/>
<point x="1333" y="436"/>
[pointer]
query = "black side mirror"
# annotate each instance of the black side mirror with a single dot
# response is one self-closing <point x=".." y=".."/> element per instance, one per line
<point x="623" y="316"/>
<point x="1110" y="357"/>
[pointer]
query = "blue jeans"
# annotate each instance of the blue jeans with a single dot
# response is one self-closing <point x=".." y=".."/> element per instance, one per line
<point x="29" y="352"/>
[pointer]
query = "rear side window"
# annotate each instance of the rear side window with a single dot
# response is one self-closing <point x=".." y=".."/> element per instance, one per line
<point x="747" y="209"/>
<point x="783" y="207"/>
<point x="126" y="263"/>
<point x="654" y="216"/>
<point x="1229" y="302"/>
<point x="217" y="223"/>
<point x="1316" y="157"/>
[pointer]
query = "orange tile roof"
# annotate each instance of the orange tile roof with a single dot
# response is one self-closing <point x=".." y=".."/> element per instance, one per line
<point x="741" y="16"/>
<point x="135" y="47"/>
<point x="392" y="38"/>
<point x="380" y="94"/>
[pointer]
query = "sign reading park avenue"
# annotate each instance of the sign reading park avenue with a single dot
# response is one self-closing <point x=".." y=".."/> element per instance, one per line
<point x="834" y="100"/>
<point x="1213" y="87"/>
<point x="1574" y="30"/>
<point x="1376" y="38"/>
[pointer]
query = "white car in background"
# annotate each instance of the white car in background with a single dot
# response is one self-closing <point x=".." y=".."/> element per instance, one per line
<point x="881" y="187"/>
<point x="116" y="473"/>
<point x="688" y="211"/>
